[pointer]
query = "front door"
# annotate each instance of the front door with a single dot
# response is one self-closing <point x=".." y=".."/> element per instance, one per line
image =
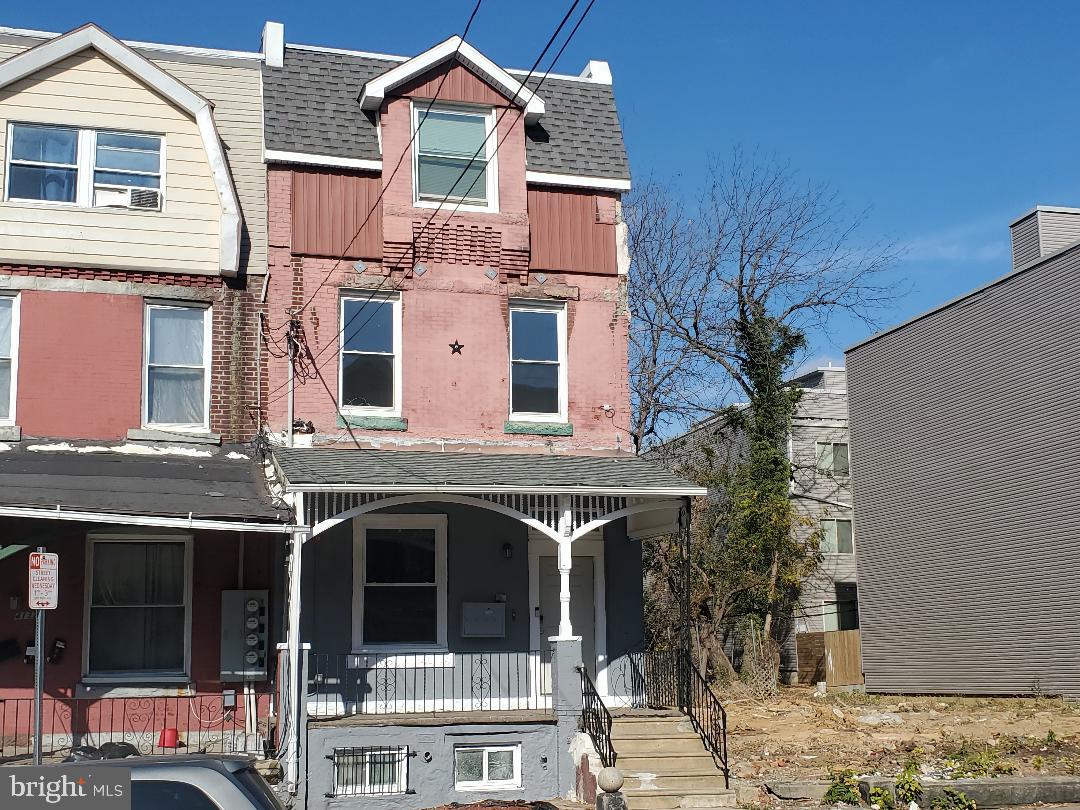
<point x="581" y="612"/>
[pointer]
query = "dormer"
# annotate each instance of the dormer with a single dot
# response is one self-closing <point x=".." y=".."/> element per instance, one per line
<point x="110" y="161"/>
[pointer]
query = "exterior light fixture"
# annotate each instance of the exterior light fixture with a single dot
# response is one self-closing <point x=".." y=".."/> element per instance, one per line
<point x="508" y="551"/>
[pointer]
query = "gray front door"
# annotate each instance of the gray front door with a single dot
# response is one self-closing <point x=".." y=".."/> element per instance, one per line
<point x="581" y="611"/>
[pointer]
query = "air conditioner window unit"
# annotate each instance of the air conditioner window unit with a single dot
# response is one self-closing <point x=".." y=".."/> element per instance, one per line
<point x="142" y="199"/>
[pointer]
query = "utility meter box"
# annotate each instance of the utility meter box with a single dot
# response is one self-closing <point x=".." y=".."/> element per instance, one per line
<point x="483" y="619"/>
<point x="244" y="635"/>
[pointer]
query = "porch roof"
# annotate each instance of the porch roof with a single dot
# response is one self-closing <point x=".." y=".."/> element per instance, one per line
<point x="201" y="484"/>
<point x="318" y="470"/>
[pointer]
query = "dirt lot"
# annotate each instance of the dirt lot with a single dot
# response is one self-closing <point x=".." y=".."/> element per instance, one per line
<point x="798" y="736"/>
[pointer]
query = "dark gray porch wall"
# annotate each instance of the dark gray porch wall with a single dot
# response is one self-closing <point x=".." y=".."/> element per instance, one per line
<point x="433" y="782"/>
<point x="625" y="605"/>
<point x="477" y="570"/>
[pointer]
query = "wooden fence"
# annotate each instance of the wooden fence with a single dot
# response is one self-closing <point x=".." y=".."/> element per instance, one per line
<point x="834" y="656"/>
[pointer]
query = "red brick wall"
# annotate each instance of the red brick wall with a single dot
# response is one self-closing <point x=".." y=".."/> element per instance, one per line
<point x="80" y="353"/>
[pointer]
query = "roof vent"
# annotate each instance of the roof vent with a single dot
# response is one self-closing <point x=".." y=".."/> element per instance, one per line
<point x="1042" y="231"/>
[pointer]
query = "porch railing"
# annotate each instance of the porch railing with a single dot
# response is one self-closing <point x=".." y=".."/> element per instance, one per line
<point x="669" y="679"/>
<point x="596" y="720"/>
<point x="349" y="684"/>
<point x="151" y="725"/>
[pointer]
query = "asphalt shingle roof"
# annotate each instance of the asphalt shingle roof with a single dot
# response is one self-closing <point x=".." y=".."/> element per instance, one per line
<point x="424" y="470"/>
<point x="311" y="106"/>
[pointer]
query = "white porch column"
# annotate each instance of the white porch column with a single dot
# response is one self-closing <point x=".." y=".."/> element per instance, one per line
<point x="295" y="687"/>
<point x="565" y="562"/>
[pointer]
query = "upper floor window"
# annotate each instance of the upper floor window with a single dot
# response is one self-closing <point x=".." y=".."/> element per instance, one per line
<point x="538" y="362"/>
<point x="177" y="367"/>
<point x="838" y="538"/>
<point x="370" y="375"/>
<point x="454" y="157"/>
<point x="84" y="167"/>
<point x="832" y="457"/>
<point x="9" y="354"/>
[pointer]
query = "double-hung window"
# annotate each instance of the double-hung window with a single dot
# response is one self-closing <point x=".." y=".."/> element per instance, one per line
<point x="9" y="356"/>
<point x="370" y="374"/>
<point x="832" y="457"/>
<point x="177" y="367"/>
<point x="490" y="767"/>
<point x="837" y="538"/>
<point x="454" y="156"/>
<point x="84" y="167"/>
<point x="537" y="362"/>
<point x="139" y="608"/>
<point x="400" y="581"/>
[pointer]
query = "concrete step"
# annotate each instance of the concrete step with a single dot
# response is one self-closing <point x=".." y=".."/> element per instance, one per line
<point x="685" y="779"/>
<point x="672" y="725"/>
<point x="674" y="800"/>
<point x="647" y="745"/>
<point x="666" y="761"/>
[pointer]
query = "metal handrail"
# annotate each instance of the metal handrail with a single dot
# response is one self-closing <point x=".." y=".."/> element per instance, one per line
<point x="596" y="719"/>
<point x="706" y="712"/>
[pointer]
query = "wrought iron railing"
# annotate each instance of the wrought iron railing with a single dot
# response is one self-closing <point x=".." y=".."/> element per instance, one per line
<point x="348" y="684"/>
<point x="596" y="720"/>
<point x="146" y="726"/>
<point x="669" y="679"/>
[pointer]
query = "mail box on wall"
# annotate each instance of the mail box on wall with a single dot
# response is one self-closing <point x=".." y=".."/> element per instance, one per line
<point x="483" y="619"/>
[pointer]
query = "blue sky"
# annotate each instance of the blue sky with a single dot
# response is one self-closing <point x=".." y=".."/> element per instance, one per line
<point x="945" y="119"/>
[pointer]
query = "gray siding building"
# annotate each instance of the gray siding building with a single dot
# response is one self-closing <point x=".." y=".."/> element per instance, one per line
<point x="964" y="470"/>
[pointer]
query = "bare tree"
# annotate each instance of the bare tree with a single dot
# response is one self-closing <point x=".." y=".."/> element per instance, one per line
<point x="722" y="302"/>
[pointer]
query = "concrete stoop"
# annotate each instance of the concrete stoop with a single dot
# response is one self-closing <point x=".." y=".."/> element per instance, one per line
<point x="666" y="766"/>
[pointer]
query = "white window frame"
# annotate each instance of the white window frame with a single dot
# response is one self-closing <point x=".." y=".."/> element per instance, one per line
<point x="491" y="176"/>
<point x="434" y="522"/>
<point x="133" y="676"/>
<point x="485" y="783"/>
<point x="15" y="304"/>
<point x="365" y="753"/>
<point x="818" y="458"/>
<point x="365" y="410"/>
<point x="85" y="166"/>
<point x="201" y="427"/>
<point x="838" y="552"/>
<point x="560" y="312"/>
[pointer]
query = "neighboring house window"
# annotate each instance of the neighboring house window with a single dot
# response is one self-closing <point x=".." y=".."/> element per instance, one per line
<point x="370" y="374"/>
<point x="177" y="367"/>
<point x="139" y="608"/>
<point x="838" y="538"/>
<point x="400" y="581"/>
<point x="495" y="767"/>
<point x="537" y="362"/>
<point x="85" y="167"/>
<point x="832" y="457"/>
<point x="149" y="794"/>
<point x="371" y="771"/>
<point x="454" y="156"/>
<point x="9" y="356"/>
<point x="843" y="613"/>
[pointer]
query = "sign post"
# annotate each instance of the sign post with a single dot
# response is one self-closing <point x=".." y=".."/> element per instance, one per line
<point x="43" y="592"/>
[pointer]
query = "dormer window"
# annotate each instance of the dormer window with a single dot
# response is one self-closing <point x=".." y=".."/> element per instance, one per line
<point x="84" y="167"/>
<point x="454" y="158"/>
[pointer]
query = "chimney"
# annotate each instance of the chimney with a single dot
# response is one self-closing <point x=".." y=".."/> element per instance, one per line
<point x="597" y="71"/>
<point x="1042" y="231"/>
<point x="273" y="44"/>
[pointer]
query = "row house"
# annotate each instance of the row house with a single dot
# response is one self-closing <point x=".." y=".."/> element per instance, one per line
<point x="338" y="468"/>
<point x="448" y="261"/>
<point x="132" y="263"/>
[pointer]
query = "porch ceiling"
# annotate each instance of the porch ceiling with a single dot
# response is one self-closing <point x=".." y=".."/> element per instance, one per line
<point x="322" y="470"/>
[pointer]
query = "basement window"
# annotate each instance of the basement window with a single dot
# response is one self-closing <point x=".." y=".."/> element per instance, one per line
<point x="490" y="767"/>
<point x="371" y="771"/>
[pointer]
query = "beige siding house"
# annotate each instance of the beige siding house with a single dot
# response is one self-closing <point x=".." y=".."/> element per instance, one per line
<point x="209" y="213"/>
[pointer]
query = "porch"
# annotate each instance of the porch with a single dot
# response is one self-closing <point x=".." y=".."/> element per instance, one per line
<point x="459" y="590"/>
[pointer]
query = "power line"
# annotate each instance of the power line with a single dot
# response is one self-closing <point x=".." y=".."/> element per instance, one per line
<point x="483" y="145"/>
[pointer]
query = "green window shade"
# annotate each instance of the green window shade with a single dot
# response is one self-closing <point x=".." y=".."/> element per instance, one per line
<point x="452" y="178"/>
<point x="452" y="134"/>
